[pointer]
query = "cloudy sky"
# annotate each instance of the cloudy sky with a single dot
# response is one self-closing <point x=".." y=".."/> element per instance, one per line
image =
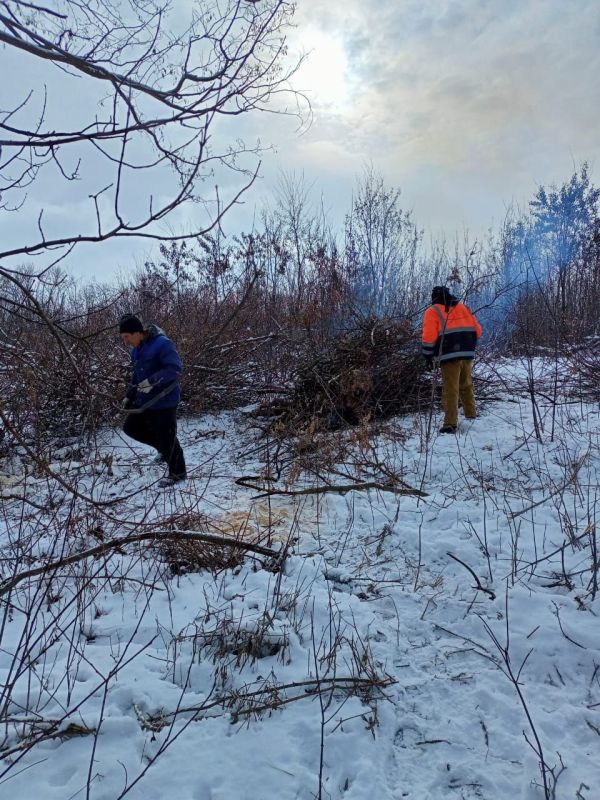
<point x="466" y="105"/>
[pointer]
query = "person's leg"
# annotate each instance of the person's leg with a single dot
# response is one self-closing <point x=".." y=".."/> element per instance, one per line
<point x="450" y="381"/>
<point x="139" y="427"/>
<point x="467" y="395"/>
<point x="167" y="443"/>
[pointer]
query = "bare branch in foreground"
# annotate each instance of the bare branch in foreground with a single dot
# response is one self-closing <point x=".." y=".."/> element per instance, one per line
<point x="155" y="536"/>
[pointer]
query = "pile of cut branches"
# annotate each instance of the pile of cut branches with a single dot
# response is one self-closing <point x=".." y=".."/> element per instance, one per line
<point x="373" y="372"/>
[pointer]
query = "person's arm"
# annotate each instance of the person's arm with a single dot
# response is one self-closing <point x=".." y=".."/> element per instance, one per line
<point x="170" y="366"/>
<point x="430" y="334"/>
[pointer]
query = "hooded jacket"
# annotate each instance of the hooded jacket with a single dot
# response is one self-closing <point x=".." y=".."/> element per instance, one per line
<point x="450" y="331"/>
<point x="155" y="360"/>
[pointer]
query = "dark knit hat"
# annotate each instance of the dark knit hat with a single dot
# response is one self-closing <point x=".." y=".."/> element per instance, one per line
<point x="130" y="324"/>
<point x="443" y="295"/>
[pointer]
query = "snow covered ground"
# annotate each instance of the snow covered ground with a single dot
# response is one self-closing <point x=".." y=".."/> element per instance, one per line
<point x="374" y="665"/>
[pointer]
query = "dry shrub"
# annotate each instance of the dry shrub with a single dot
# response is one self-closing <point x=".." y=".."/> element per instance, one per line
<point x="63" y="367"/>
<point x="60" y="397"/>
<point x="245" y="642"/>
<point x="183" y="556"/>
<point x="586" y="369"/>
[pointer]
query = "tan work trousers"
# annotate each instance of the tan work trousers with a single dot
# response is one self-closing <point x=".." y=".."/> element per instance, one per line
<point x="457" y="383"/>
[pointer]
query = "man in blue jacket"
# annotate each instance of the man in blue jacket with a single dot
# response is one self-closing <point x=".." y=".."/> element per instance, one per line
<point x="153" y="393"/>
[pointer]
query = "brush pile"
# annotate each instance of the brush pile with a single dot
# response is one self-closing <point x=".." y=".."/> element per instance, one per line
<point x="373" y="372"/>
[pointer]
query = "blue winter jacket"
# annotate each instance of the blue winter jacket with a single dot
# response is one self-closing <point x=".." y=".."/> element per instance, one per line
<point x="157" y="360"/>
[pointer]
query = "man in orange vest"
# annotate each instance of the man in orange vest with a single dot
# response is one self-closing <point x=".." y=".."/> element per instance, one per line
<point x="450" y="334"/>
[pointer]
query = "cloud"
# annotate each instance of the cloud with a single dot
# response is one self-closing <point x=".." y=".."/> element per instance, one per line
<point x="461" y="88"/>
<point x="463" y="104"/>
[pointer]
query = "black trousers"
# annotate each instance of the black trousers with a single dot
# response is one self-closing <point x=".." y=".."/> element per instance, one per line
<point x="158" y="428"/>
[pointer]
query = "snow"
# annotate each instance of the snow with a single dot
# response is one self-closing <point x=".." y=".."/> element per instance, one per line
<point x="151" y="674"/>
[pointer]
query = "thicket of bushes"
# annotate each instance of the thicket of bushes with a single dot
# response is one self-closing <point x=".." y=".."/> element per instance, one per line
<point x="251" y="316"/>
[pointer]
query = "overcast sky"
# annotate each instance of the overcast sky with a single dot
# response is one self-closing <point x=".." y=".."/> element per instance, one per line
<point x="466" y="105"/>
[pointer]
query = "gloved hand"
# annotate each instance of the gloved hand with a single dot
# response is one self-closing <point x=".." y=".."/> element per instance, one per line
<point x="128" y="403"/>
<point x="428" y="362"/>
<point x="144" y="386"/>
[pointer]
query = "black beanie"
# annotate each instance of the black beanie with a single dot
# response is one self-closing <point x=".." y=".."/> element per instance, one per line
<point x="442" y="295"/>
<point x="130" y="324"/>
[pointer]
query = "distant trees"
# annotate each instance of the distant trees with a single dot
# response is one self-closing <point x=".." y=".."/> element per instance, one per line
<point x="565" y="246"/>
<point x="551" y="263"/>
<point x="381" y="247"/>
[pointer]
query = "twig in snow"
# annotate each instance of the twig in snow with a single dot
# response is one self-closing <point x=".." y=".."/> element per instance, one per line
<point x="340" y="489"/>
<point x="478" y="585"/>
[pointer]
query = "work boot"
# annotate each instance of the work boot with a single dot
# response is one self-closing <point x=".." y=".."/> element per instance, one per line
<point x="171" y="480"/>
<point x="448" y="429"/>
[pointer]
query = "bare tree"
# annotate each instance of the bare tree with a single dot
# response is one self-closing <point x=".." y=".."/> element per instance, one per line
<point x="113" y="114"/>
<point x="382" y="245"/>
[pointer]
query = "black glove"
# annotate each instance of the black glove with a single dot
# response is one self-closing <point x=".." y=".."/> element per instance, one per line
<point x="428" y="362"/>
<point x="128" y="403"/>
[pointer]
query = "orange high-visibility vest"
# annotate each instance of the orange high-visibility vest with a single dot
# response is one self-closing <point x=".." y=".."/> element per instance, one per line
<point x="450" y="334"/>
